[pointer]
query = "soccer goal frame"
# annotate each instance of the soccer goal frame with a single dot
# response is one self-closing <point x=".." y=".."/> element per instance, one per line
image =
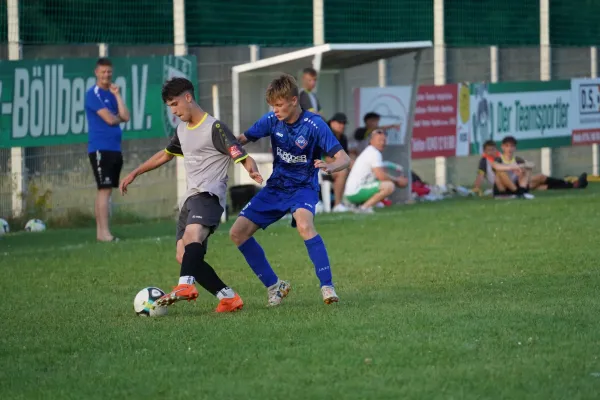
<point x="337" y="57"/>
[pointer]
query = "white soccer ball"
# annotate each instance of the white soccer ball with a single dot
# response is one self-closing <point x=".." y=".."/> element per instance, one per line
<point x="4" y="228"/>
<point x="144" y="303"/>
<point x="35" y="225"/>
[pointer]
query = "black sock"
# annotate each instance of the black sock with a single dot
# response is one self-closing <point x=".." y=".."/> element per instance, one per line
<point x="193" y="264"/>
<point x="554" y="183"/>
<point x="521" y="190"/>
<point x="209" y="279"/>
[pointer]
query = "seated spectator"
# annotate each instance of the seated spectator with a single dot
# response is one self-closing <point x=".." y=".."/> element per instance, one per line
<point x="485" y="171"/>
<point x="513" y="174"/>
<point x="361" y="135"/>
<point x="368" y="182"/>
<point x="337" y="123"/>
<point x="537" y="182"/>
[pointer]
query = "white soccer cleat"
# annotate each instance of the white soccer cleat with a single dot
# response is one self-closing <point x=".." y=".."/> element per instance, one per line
<point x="528" y="196"/>
<point x="329" y="295"/>
<point x="277" y="292"/>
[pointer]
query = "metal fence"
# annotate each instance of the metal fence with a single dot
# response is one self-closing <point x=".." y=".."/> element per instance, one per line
<point x="66" y="173"/>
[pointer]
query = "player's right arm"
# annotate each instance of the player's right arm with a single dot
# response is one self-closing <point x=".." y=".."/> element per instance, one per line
<point x="94" y="103"/>
<point x="158" y="159"/>
<point x="381" y="175"/>
<point x="260" y="129"/>
<point x="378" y="166"/>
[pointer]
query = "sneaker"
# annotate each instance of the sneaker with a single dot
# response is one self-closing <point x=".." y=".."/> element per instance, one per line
<point x="581" y="182"/>
<point x="528" y="196"/>
<point x="277" y="292"/>
<point x="180" y="292"/>
<point x="340" y="208"/>
<point x="329" y="295"/>
<point x="363" y="210"/>
<point x="230" y="304"/>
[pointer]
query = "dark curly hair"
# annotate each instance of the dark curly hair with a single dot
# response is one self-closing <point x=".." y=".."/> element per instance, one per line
<point x="175" y="87"/>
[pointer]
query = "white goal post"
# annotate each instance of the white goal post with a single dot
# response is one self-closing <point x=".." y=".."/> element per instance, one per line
<point x="325" y="58"/>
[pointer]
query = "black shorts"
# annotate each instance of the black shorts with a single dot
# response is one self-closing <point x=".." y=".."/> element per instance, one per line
<point x="107" y="167"/>
<point x="202" y="208"/>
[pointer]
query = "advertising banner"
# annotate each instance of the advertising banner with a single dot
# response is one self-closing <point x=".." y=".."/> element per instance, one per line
<point x="441" y="127"/>
<point x="535" y="113"/>
<point x="42" y="101"/>
<point x="391" y="103"/>
<point x="585" y="111"/>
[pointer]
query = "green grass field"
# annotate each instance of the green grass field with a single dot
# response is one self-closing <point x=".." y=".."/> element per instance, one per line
<point x="469" y="299"/>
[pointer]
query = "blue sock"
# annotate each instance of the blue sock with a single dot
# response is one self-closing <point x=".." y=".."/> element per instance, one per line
<point x="318" y="255"/>
<point x="255" y="256"/>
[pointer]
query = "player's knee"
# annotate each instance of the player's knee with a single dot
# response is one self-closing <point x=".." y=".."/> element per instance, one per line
<point x="387" y="187"/>
<point x="194" y="233"/>
<point x="306" y="229"/>
<point x="238" y="235"/>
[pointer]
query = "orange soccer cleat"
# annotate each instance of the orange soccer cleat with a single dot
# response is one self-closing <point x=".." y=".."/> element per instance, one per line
<point x="180" y="292"/>
<point x="231" y="304"/>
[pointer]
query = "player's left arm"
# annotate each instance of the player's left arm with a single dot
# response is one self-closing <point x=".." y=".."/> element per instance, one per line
<point x="331" y="147"/>
<point x="226" y="143"/>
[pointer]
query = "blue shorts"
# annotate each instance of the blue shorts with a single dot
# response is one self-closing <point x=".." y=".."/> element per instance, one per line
<point x="270" y="205"/>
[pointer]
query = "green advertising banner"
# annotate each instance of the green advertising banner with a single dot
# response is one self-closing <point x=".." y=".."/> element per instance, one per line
<point x="42" y="101"/>
<point x="535" y="113"/>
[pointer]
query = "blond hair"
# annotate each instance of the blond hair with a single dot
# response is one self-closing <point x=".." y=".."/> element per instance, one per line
<point x="283" y="87"/>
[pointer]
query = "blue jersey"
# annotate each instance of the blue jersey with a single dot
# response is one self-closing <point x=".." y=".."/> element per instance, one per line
<point x="295" y="148"/>
<point x="101" y="136"/>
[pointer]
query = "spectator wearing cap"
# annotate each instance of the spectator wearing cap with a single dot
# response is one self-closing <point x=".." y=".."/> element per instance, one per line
<point x="337" y="123"/>
<point x="361" y="135"/>
<point x="306" y="97"/>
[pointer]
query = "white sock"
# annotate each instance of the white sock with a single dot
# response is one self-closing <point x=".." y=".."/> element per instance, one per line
<point x="275" y="285"/>
<point x="186" y="280"/>
<point x="226" y="293"/>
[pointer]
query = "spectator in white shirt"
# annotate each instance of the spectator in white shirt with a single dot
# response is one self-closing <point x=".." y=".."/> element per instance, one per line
<point x="368" y="182"/>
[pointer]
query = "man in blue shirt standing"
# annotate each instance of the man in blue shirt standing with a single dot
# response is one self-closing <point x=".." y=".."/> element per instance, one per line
<point x="299" y="138"/>
<point x="105" y="110"/>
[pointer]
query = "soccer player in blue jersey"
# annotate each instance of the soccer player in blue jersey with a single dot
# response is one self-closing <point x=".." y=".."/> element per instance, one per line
<point x="299" y="139"/>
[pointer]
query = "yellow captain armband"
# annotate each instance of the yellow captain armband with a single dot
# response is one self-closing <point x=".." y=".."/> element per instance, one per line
<point x="240" y="159"/>
<point x="173" y="154"/>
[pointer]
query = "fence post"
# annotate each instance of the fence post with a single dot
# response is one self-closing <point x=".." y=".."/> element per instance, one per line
<point x="17" y="154"/>
<point x="439" y="76"/>
<point x="545" y="71"/>
<point x="594" y="74"/>
<point x="180" y="49"/>
<point x="318" y="22"/>
<point x="103" y="49"/>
